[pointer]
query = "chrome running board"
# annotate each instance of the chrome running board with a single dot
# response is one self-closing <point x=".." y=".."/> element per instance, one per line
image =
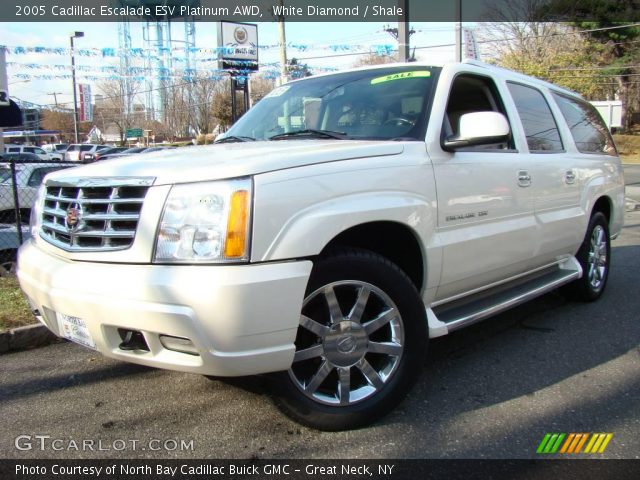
<point x="458" y="314"/>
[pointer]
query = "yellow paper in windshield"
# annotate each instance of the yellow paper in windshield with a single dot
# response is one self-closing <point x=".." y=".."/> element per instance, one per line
<point x="401" y="76"/>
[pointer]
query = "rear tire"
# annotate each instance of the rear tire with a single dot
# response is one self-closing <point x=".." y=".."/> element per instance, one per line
<point x="594" y="257"/>
<point x="360" y="345"/>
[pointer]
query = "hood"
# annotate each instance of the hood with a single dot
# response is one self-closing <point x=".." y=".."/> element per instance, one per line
<point x="229" y="160"/>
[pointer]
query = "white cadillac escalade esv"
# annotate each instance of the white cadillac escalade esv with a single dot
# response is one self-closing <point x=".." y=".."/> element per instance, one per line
<point x="340" y="224"/>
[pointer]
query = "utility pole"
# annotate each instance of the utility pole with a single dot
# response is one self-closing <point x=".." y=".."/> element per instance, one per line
<point x="458" y="30"/>
<point x="4" y="87"/>
<point x="404" y="32"/>
<point x="283" y="48"/>
<point x="55" y="96"/>
<point x="73" y="76"/>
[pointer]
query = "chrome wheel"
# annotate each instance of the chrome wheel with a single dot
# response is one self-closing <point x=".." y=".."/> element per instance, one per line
<point x="349" y="343"/>
<point x="597" y="258"/>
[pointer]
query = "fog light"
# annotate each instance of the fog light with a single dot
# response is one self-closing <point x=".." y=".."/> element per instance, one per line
<point x="178" y="344"/>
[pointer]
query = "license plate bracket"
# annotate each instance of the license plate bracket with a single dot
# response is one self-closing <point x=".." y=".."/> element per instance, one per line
<point x="75" y="329"/>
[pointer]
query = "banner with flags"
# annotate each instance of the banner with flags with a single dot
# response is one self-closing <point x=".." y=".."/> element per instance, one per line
<point x="86" y="107"/>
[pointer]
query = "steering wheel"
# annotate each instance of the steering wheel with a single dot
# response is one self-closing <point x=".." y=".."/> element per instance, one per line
<point x="399" y="121"/>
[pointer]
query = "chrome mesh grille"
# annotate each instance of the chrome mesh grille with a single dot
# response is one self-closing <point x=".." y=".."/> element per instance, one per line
<point x="92" y="217"/>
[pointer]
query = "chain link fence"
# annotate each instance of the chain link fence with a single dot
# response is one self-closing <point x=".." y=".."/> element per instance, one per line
<point x="20" y="177"/>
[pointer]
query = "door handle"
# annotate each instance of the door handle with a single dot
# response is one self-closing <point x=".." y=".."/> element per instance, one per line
<point x="569" y="177"/>
<point x="524" y="179"/>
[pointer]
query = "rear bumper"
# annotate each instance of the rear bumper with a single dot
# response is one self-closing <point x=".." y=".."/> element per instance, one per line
<point x="242" y="319"/>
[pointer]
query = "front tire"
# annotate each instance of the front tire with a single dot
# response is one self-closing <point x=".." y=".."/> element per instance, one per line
<point x="360" y="344"/>
<point x="594" y="257"/>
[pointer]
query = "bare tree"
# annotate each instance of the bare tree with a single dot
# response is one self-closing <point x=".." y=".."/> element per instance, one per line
<point x="118" y="108"/>
<point x="260" y="88"/>
<point x="373" y="59"/>
<point x="548" y="50"/>
<point x="58" y="120"/>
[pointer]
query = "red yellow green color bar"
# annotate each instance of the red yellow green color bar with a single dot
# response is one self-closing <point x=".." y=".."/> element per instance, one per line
<point x="574" y="443"/>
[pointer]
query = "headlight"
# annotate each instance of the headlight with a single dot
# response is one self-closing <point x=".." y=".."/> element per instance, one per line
<point x="36" y="212"/>
<point x="206" y="222"/>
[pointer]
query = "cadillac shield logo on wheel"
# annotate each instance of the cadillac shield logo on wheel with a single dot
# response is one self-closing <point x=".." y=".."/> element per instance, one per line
<point x="74" y="217"/>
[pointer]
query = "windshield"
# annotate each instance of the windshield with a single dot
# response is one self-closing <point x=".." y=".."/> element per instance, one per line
<point x="380" y="104"/>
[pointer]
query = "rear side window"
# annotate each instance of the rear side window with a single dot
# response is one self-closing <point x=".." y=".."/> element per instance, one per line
<point x="540" y="127"/>
<point x="86" y="148"/>
<point x="587" y="127"/>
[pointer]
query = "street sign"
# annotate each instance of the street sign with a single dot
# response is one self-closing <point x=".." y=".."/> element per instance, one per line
<point x="134" y="132"/>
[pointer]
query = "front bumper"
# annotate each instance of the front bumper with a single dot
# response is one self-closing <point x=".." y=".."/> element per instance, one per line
<point x="241" y="318"/>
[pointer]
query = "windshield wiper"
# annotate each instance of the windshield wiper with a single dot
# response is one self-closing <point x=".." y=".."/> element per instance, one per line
<point x="310" y="132"/>
<point x="235" y="138"/>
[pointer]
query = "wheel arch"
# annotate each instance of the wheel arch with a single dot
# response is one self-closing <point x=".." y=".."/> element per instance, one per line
<point x="395" y="241"/>
<point x="604" y="205"/>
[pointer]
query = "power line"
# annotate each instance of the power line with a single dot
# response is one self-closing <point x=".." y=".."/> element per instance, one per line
<point x="577" y="32"/>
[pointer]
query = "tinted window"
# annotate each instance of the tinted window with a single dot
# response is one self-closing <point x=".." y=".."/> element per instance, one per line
<point x="587" y="128"/>
<point x="540" y="127"/>
<point x="86" y="148"/>
<point x="29" y="149"/>
<point x="14" y="149"/>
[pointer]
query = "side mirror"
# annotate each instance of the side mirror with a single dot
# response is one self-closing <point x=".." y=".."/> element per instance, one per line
<point x="478" y="128"/>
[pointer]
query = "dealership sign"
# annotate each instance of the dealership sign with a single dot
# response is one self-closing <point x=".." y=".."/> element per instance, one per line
<point x="238" y="46"/>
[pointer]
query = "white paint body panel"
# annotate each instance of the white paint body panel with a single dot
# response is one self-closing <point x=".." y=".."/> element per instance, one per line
<point x="243" y="318"/>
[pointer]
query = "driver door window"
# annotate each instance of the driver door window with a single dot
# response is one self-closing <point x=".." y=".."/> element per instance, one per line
<point x="471" y="93"/>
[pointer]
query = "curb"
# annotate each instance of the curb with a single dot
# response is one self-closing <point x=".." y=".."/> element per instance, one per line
<point x="23" y="338"/>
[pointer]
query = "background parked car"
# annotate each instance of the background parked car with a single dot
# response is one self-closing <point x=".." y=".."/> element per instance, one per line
<point x="9" y="243"/>
<point x="100" y="155"/>
<point x="42" y="155"/>
<point x="84" y="151"/>
<point x="55" y="148"/>
<point x="20" y="157"/>
<point x="29" y="176"/>
<point x="123" y="153"/>
<point x="157" y="149"/>
<point x="132" y="151"/>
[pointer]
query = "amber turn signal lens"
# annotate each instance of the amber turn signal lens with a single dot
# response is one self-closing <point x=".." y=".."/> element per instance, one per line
<point x="237" y="225"/>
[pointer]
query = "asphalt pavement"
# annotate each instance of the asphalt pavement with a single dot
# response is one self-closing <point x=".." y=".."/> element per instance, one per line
<point x="492" y="390"/>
